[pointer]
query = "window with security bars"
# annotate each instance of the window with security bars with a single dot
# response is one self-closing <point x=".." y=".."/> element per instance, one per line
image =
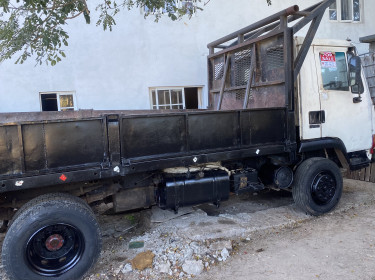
<point x="345" y="10"/>
<point x="167" y="99"/>
<point x="172" y="98"/>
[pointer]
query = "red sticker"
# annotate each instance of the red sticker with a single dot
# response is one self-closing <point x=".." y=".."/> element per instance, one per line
<point x="327" y="56"/>
<point x="63" y="177"/>
<point x="328" y="60"/>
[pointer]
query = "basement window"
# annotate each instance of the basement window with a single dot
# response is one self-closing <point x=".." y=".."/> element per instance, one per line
<point x="57" y="101"/>
<point x="164" y="98"/>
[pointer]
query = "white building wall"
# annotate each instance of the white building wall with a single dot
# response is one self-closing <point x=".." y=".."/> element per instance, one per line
<point x="114" y="70"/>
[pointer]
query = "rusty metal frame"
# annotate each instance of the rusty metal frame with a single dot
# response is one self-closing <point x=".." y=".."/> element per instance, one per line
<point x="248" y="86"/>
<point x="266" y="28"/>
<point x="226" y="67"/>
<point x="278" y="24"/>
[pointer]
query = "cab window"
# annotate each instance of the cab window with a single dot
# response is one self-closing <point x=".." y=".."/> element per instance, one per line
<point x="334" y="71"/>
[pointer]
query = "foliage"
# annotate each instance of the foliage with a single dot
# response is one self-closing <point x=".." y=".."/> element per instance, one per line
<point x="35" y="27"/>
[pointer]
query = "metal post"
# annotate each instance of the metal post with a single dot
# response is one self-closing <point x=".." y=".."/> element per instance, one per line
<point x="226" y="67"/>
<point x="248" y="86"/>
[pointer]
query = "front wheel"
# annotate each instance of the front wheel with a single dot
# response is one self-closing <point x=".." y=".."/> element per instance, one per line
<point x="52" y="237"/>
<point x="317" y="186"/>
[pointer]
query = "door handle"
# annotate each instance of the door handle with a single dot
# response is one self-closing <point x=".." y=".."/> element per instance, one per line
<point x="316" y="118"/>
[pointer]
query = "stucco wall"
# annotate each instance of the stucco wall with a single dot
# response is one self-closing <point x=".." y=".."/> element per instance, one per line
<point x="113" y="70"/>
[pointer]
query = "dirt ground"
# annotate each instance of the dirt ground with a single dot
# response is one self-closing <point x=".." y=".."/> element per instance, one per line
<point x="338" y="246"/>
<point x="261" y="236"/>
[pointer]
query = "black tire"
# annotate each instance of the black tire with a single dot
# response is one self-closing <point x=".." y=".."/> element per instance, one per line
<point x="54" y="236"/>
<point x="317" y="186"/>
<point x="47" y="197"/>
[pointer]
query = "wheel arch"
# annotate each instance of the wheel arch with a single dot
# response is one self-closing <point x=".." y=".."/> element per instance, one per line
<point x="335" y="145"/>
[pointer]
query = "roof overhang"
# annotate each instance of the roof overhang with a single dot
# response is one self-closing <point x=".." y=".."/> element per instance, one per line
<point x="367" y="39"/>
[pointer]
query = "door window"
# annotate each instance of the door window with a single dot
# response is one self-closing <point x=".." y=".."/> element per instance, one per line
<point x="334" y="71"/>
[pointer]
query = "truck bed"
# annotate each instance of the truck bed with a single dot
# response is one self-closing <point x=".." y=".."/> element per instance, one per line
<point x="41" y="149"/>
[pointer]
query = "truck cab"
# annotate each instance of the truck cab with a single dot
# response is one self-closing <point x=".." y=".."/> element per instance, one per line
<point x="333" y="104"/>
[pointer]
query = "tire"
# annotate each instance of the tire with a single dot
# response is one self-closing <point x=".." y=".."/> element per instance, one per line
<point x="317" y="186"/>
<point x="47" y="197"/>
<point x="54" y="236"/>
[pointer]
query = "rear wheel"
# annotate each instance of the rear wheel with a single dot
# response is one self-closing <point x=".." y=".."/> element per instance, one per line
<point x="317" y="186"/>
<point x="52" y="237"/>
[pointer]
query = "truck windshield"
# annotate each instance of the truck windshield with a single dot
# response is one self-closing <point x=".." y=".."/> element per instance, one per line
<point x="334" y="71"/>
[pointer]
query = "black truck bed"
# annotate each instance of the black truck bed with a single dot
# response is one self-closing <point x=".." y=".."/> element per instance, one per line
<point x="42" y="149"/>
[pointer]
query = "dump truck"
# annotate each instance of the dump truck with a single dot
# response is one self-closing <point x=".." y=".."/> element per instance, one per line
<point x="285" y="112"/>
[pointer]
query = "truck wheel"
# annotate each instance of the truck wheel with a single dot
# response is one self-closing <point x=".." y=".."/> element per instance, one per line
<point x="49" y="196"/>
<point x="54" y="236"/>
<point x="317" y="186"/>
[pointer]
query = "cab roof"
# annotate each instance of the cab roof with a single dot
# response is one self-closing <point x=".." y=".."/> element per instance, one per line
<point x="324" y="42"/>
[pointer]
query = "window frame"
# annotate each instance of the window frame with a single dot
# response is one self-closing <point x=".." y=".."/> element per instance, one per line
<point x="182" y="88"/>
<point x="348" y="87"/>
<point x="58" y="93"/>
<point x="170" y="104"/>
<point x="163" y="11"/>
<point x="339" y="12"/>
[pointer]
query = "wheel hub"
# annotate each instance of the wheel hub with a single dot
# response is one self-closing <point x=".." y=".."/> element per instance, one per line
<point x="323" y="188"/>
<point x="54" y="249"/>
<point x="54" y="242"/>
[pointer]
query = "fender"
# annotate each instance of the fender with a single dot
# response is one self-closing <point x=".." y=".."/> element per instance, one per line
<point x="323" y="143"/>
<point x="327" y="143"/>
<point x="338" y="145"/>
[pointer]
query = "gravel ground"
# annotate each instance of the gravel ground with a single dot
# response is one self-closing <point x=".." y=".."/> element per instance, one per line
<point x="264" y="235"/>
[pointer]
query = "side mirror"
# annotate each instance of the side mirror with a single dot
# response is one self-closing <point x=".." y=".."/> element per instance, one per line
<point x="355" y="79"/>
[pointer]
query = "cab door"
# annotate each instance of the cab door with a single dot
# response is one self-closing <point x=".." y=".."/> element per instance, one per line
<point x="341" y="117"/>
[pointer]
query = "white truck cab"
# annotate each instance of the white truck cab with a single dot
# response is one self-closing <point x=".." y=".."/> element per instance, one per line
<point x="330" y="103"/>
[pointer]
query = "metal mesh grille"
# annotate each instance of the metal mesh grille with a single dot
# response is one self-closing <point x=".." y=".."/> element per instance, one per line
<point x="240" y="69"/>
<point x="275" y="57"/>
<point x="218" y="68"/>
<point x="271" y="60"/>
<point x="240" y="95"/>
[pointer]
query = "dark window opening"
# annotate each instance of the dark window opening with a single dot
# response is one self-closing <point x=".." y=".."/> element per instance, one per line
<point x="191" y="98"/>
<point x="49" y="102"/>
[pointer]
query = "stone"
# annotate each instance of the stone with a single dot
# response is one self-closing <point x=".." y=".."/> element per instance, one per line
<point x="165" y="268"/>
<point x="127" y="268"/>
<point x="117" y="270"/>
<point x="224" y="254"/>
<point x="193" y="267"/>
<point x="187" y="254"/>
<point x="143" y="260"/>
